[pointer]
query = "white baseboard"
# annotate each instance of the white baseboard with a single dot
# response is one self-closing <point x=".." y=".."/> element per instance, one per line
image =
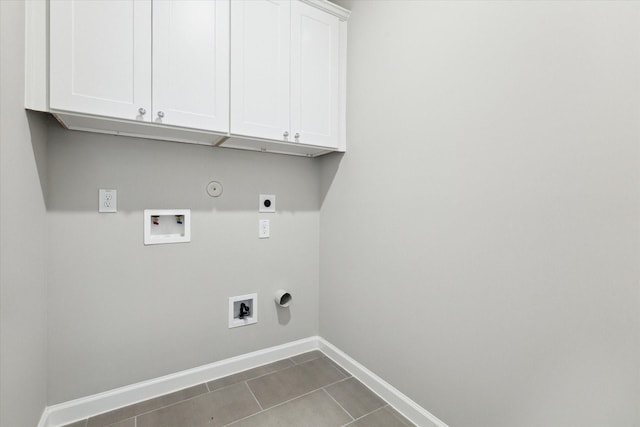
<point x="79" y="409"/>
<point x="401" y="403"/>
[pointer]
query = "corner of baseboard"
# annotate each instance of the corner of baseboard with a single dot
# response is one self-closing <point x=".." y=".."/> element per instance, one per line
<point x="400" y="402"/>
<point x="44" y="419"/>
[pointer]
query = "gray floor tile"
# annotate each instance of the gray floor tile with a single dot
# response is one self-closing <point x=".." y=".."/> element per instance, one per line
<point x="290" y="391"/>
<point x="354" y="397"/>
<point x="281" y="386"/>
<point x="401" y="417"/>
<point x="213" y="409"/>
<point x="249" y="374"/>
<point x="340" y="368"/>
<point x="130" y="422"/>
<point x="305" y="357"/>
<point x="316" y="409"/>
<point x="380" y="418"/>
<point x="121" y="414"/>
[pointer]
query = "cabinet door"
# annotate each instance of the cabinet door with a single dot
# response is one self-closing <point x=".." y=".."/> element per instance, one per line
<point x="314" y="75"/>
<point x="191" y="63"/>
<point x="101" y="57"/>
<point x="260" y="68"/>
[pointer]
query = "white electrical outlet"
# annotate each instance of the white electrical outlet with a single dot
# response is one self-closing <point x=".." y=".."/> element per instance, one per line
<point x="263" y="229"/>
<point x="107" y="201"/>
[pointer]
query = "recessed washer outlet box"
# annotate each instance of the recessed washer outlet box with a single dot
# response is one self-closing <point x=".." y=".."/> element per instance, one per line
<point x="243" y="310"/>
<point x="167" y="226"/>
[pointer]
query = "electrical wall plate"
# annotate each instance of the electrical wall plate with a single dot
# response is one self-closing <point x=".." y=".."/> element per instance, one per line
<point x="107" y="201"/>
<point x="263" y="229"/>
<point x="250" y="310"/>
<point x="267" y="203"/>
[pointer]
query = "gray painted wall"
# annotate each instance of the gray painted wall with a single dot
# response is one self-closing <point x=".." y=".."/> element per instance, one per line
<point x="121" y="312"/>
<point x="480" y="238"/>
<point x="118" y="312"/>
<point x="23" y="233"/>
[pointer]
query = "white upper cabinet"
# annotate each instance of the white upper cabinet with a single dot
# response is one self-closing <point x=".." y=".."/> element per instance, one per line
<point x="100" y="57"/>
<point x="314" y="76"/>
<point x="101" y="60"/>
<point x="191" y="63"/>
<point x="265" y="75"/>
<point x="287" y="68"/>
<point x="260" y="68"/>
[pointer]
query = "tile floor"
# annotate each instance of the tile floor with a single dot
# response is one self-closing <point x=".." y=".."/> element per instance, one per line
<point x="308" y="390"/>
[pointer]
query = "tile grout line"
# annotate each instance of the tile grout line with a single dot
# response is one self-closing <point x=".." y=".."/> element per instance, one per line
<point x="334" y="366"/>
<point x="304" y="394"/>
<point x="268" y="373"/>
<point x="387" y="405"/>
<point x="206" y="385"/>
<point x="345" y="376"/>
<point x="137" y="414"/>
<point x="250" y="415"/>
<point x="402" y="418"/>
<point x="242" y="419"/>
<point x="246" y="383"/>
<point x="338" y="403"/>
<point x="337" y="382"/>
<point x="247" y="379"/>
<point x="292" y="399"/>
<point x="305" y="361"/>
<point x="282" y="370"/>
<point x="285" y="402"/>
<point x="359" y="418"/>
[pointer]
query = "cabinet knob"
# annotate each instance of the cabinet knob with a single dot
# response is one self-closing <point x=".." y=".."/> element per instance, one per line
<point x="160" y="114"/>
<point x="296" y="136"/>
<point x="286" y="134"/>
<point x="142" y="111"/>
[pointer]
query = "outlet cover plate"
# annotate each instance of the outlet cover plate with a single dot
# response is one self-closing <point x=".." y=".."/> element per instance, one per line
<point x="107" y="201"/>
<point x="264" y="231"/>
<point x="267" y="203"/>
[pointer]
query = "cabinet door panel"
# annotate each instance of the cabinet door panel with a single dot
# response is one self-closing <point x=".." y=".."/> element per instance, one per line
<point x="191" y="63"/>
<point x="314" y="75"/>
<point x="101" y="57"/>
<point x="260" y="68"/>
